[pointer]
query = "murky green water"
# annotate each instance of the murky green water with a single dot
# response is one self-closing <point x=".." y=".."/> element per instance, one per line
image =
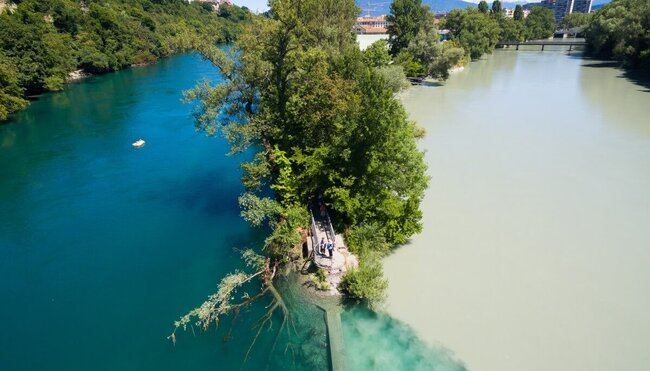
<point x="536" y="242"/>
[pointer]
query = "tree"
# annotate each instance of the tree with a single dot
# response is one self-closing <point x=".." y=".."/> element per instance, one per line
<point x="619" y="30"/>
<point x="519" y="13"/>
<point x="496" y="7"/>
<point x="540" y="23"/>
<point x="323" y="119"/>
<point x="10" y="90"/>
<point x="406" y="18"/>
<point x="475" y="32"/>
<point x="376" y="55"/>
<point x="576" y="20"/>
<point x="433" y="55"/>
<point x="511" y="30"/>
<point x="483" y="7"/>
<point x="394" y="77"/>
<point x="366" y="283"/>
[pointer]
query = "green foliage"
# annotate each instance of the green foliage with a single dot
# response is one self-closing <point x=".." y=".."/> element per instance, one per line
<point x="518" y="13"/>
<point x="407" y="18"/>
<point x="435" y="57"/>
<point x="285" y="235"/>
<point x="416" y="44"/>
<point x="255" y="172"/>
<point x="256" y="210"/>
<point x="540" y="23"/>
<point x="394" y="77"/>
<point x="475" y="32"/>
<point x="319" y="280"/>
<point x="376" y="55"/>
<point x="576" y="20"/>
<point x="325" y="118"/>
<point x="619" y="30"/>
<point x="511" y="30"/>
<point x="411" y="66"/>
<point x="366" y="283"/>
<point x="367" y="239"/>
<point x="44" y="40"/>
<point x="10" y="90"/>
<point x="483" y="7"/>
<point x="496" y="7"/>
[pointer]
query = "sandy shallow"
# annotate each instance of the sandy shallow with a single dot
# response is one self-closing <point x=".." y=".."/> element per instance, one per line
<point x="535" y="253"/>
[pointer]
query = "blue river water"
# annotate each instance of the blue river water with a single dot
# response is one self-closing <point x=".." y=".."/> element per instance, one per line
<point x="103" y="246"/>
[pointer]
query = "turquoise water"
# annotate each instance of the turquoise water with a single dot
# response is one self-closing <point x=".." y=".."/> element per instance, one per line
<point x="376" y="341"/>
<point x="103" y="246"/>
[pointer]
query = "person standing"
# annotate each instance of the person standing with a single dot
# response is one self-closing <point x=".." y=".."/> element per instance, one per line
<point x="330" y="248"/>
<point x="321" y="246"/>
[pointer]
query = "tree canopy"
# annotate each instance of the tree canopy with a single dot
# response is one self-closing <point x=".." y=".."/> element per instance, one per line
<point x="476" y="32"/>
<point x="540" y="23"/>
<point x="483" y="7"/>
<point x="406" y="19"/>
<point x="619" y="30"/>
<point x="323" y="120"/>
<point x="518" y="14"/>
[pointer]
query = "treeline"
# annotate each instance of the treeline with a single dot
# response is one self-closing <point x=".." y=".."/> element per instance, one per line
<point x="620" y="30"/>
<point x="479" y="29"/>
<point x="415" y="45"/>
<point x="42" y="41"/>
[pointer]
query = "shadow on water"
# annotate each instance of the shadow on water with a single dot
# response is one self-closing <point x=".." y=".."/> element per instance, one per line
<point x="636" y="76"/>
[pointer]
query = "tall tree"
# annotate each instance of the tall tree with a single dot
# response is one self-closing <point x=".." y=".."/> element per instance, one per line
<point x="407" y="17"/>
<point x="496" y="7"/>
<point x="475" y="32"/>
<point x="483" y="7"/>
<point x="324" y="120"/>
<point x="519" y="13"/>
<point x="540" y="23"/>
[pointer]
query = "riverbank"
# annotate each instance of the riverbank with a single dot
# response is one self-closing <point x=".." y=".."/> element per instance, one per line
<point x="534" y="250"/>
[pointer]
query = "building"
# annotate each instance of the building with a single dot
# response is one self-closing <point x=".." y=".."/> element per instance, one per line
<point x="215" y="3"/>
<point x="582" y="6"/>
<point x="371" y="25"/>
<point x="561" y="8"/>
<point x="511" y="12"/>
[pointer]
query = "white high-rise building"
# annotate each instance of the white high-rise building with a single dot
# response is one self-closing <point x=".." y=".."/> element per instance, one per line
<point x="561" y="8"/>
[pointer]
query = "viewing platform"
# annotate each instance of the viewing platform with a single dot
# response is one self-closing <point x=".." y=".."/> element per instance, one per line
<point x="341" y="260"/>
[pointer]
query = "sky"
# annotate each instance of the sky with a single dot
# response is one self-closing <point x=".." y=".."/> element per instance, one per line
<point x="260" y="5"/>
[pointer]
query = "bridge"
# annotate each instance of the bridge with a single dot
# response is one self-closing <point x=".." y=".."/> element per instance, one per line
<point x="541" y="43"/>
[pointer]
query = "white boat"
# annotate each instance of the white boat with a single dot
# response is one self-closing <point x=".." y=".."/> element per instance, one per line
<point x="138" y="143"/>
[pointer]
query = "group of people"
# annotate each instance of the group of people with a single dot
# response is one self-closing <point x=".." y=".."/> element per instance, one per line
<point x="326" y="247"/>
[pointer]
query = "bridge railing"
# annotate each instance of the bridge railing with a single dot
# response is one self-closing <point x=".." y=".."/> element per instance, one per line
<point x="314" y="232"/>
